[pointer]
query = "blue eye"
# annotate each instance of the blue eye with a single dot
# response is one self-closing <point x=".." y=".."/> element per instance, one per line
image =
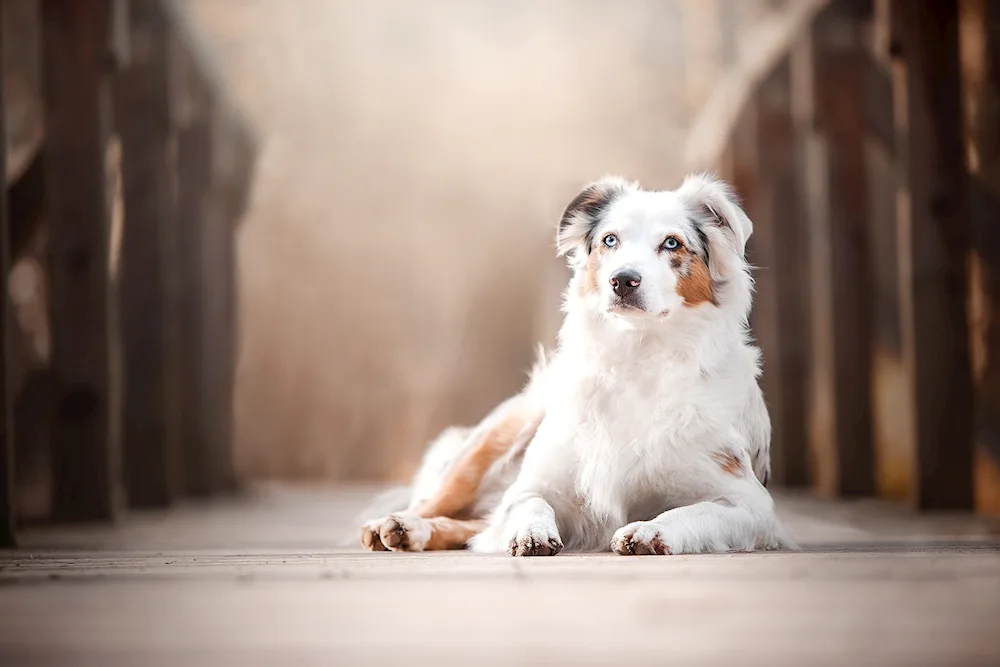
<point x="671" y="243"/>
<point x="611" y="240"/>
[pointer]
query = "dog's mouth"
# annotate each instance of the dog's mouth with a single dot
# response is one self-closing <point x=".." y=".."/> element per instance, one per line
<point x="627" y="307"/>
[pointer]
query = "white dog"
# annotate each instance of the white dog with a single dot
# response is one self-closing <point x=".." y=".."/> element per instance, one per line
<point x="645" y="431"/>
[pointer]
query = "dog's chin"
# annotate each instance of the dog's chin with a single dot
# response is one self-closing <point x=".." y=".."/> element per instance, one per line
<point x="628" y="310"/>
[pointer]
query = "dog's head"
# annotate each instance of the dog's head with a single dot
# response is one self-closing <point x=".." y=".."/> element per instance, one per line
<point x="655" y="254"/>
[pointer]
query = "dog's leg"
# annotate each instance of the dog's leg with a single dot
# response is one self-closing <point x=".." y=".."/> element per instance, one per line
<point x="525" y="526"/>
<point x="512" y="423"/>
<point x="739" y="517"/>
<point x="508" y="429"/>
<point x="408" y="532"/>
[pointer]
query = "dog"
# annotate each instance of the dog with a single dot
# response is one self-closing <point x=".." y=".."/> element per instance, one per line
<point x="645" y="431"/>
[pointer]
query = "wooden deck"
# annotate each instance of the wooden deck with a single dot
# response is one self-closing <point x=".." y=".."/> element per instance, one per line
<point x="269" y="579"/>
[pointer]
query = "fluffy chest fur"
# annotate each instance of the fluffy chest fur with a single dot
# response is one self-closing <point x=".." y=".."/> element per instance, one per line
<point x="633" y="419"/>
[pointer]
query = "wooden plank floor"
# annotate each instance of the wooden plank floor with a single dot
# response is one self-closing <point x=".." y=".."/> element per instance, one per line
<point x="270" y="580"/>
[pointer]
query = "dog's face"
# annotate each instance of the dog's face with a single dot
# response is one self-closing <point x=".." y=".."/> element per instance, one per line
<point x="646" y="254"/>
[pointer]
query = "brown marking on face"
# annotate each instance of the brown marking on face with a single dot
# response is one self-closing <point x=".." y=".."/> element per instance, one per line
<point x="730" y="462"/>
<point x="512" y="425"/>
<point x="694" y="283"/>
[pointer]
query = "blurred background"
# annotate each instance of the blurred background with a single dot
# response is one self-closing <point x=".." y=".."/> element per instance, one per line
<point x="396" y="261"/>
<point x="343" y="226"/>
<point x="342" y="222"/>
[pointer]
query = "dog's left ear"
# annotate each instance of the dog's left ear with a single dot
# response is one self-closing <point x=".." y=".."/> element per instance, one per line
<point x="714" y="204"/>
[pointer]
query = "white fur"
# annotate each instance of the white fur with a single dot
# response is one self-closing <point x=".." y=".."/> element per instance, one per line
<point x="638" y="404"/>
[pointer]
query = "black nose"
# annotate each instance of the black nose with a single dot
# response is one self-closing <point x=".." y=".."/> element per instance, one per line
<point x="625" y="282"/>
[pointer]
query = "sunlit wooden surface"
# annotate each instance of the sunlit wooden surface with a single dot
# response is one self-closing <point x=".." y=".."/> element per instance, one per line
<point x="275" y="579"/>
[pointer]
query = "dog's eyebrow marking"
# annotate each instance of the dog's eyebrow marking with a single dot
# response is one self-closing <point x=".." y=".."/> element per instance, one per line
<point x="729" y="461"/>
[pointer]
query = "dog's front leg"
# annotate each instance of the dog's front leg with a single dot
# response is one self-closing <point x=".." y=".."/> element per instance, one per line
<point x="523" y="525"/>
<point x="738" y="516"/>
<point x="531" y="527"/>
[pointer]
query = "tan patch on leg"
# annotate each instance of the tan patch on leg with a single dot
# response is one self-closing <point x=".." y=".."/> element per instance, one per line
<point x="730" y="462"/>
<point x="695" y="284"/>
<point x="459" y="488"/>
<point x="448" y="533"/>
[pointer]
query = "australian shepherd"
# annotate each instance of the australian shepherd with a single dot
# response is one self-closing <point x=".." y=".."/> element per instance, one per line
<point x="645" y="430"/>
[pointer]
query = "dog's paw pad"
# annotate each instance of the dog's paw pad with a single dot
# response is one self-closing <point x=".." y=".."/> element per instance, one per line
<point x="370" y="538"/>
<point x="393" y="534"/>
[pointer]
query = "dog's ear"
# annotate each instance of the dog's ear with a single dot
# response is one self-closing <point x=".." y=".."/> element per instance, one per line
<point x="581" y="217"/>
<point x="715" y="206"/>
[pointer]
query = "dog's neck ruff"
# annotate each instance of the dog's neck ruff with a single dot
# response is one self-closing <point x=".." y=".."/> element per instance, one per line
<point x="701" y="340"/>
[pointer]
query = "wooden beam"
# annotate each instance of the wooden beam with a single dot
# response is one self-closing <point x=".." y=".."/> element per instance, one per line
<point x="218" y="338"/>
<point x="892" y="398"/>
<point x="980" y="38"/>
<point x="215" y="158"/>
<point x="78" y="124"/>
<point x="148" y="304"/>
<point x="193" y="156"/>
<point x="8" y="514"/>
<point x="840" y="280"/>
<point x="781" y="322"/>
<point x="714" y="121"/>
<point x="934" y="247"/>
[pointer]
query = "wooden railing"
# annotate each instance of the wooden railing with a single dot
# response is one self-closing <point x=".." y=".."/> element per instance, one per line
<point x="130" y="170"/>
<point x="864" y="141"/>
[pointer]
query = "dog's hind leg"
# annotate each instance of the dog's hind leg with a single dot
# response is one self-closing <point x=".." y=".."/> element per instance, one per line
<point x="435" y="521"/>
<point x="507" y="430"/>
<point x="408" y="532"/>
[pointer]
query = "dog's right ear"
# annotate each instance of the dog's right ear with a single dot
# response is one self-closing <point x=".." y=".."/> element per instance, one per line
<point x="580" y="220"/>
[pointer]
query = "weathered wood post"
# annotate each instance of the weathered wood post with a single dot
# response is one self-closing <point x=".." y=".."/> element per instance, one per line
<point x="840" y="276"/>
<point x="934" y="249"/>
<point x="780" y="253"/>
<point x="981" y="39"/>
<point x="193" y="165"/>
<point x="892" y="400"/>
<point x="203" y="265"/>
<point x="8" y="516"/>
<point x="78" y="124"/>
<point x="149" y="299"/>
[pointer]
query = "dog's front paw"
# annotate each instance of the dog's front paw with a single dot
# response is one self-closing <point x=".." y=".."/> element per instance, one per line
<point x="642" y="538"/>
<point x="535" y="540"/>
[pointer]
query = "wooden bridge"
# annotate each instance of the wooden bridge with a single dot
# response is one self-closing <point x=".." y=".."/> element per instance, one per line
<point x="862" y="135"/>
